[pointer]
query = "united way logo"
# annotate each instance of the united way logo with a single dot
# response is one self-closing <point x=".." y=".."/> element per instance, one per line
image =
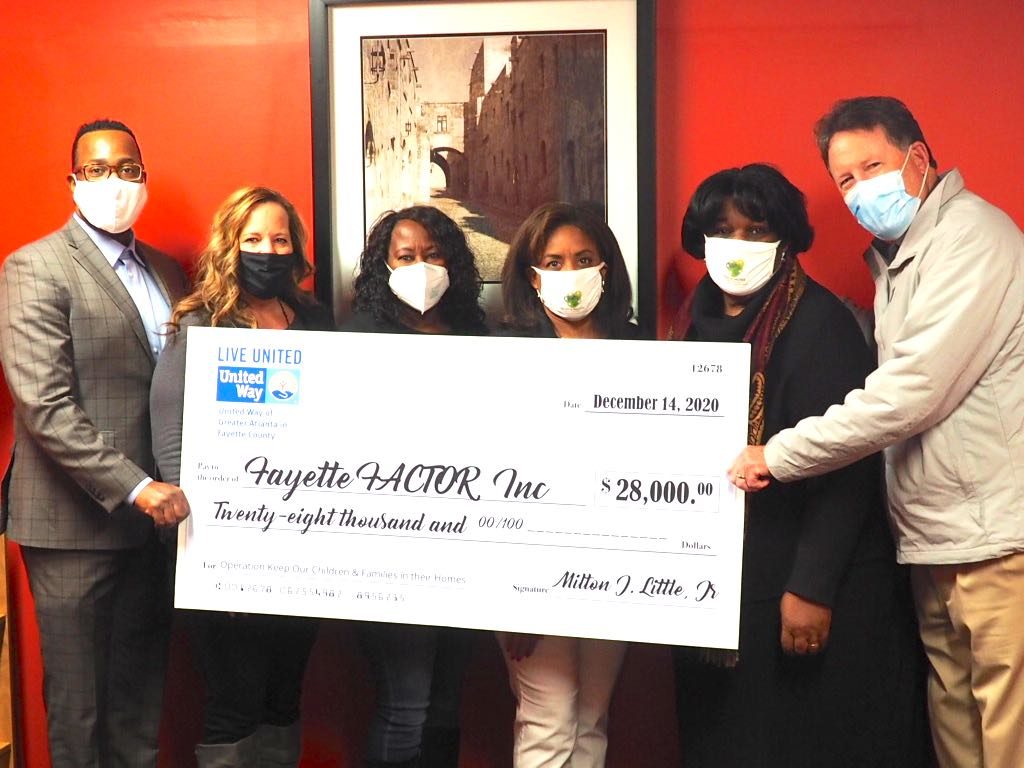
<point x="237" y="384"/>
<point x="283" y="387"/>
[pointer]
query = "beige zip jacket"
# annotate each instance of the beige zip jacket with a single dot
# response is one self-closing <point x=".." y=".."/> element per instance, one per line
<point x="947" y="400"/>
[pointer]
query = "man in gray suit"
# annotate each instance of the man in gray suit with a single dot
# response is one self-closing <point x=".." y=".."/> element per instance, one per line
<point x="81" y="316"/>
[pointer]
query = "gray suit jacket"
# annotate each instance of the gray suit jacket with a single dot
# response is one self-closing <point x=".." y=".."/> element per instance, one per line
<point x="78" y="364"/>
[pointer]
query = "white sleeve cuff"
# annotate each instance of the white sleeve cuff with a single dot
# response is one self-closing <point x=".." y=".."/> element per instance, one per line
<point x="137" y="490"/>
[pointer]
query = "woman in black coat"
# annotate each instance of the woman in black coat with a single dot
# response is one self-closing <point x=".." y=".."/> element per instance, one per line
<point x="417" y="275"/>
<point x="828" y="669"/>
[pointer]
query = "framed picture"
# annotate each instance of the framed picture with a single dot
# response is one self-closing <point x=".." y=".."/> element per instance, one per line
<point x="484" y="110"/>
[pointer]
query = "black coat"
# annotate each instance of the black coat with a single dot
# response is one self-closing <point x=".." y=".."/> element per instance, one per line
<point x="364" y="322"/>
<point x="858" y="703"/>
<point x="545" y="329"/>
<point x="802" y="537"/>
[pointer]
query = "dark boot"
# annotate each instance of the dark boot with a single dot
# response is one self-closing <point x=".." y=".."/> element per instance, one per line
<point x="413" y="762"/>
<point x="280" y="745"/>
<point x="239" y="754"/>
<point x="439" y="747"/>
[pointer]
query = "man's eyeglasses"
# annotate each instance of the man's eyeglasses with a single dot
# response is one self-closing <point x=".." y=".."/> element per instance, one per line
<point x="100" y="171"/>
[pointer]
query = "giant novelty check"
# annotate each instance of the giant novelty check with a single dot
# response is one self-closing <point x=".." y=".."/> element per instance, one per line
<point x="536" y="485"/>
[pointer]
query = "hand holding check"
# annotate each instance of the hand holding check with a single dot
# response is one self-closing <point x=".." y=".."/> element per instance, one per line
<point x="749" y="472"/>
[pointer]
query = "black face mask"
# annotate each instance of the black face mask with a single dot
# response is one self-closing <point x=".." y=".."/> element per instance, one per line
<point x="266" y="275"/>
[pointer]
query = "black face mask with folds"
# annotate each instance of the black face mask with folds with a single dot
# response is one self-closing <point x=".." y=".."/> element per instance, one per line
<point x="266" y="275"/>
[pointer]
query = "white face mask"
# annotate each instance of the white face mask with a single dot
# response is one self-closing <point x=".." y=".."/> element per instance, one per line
<point x="571" y="293"/>
<point x="739" y="267"/>
<point x="420" y="285"/>
<point x="111" y="204"/>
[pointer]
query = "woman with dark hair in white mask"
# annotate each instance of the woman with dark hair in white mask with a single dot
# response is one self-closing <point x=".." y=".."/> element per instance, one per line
<point x="828" y="671"/>
<point x="564" y="277"/>
<point x="416" y="275"/>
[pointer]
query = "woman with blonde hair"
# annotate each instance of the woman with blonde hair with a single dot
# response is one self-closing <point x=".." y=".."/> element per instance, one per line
<point x="247" y="277"/>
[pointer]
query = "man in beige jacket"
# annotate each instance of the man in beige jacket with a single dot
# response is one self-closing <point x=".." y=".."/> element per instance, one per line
<point x="947" y="405"/>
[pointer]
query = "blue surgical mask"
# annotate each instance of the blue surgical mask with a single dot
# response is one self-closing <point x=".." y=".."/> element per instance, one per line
<point x="882" y="204"/>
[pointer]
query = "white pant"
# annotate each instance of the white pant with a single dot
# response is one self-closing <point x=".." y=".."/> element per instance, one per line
<point x="562" y="691"/>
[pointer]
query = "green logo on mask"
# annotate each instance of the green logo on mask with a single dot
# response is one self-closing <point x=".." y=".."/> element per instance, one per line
<point x="735" y="267"/>
<point x="572" y="300"/>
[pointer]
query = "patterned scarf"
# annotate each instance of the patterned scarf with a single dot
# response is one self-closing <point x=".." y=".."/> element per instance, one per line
<point x="764" y="330"/>
<point x="762" y="333"/>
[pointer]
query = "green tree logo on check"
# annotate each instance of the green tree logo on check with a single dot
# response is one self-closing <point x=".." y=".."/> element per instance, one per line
<point x="573" y="299"/>
<point x="735" y="267"/>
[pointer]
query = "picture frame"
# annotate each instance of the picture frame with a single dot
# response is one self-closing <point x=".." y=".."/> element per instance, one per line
<point x="380" y="140"/>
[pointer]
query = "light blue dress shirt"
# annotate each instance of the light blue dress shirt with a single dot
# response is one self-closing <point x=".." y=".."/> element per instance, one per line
<point x="153" y="306"/>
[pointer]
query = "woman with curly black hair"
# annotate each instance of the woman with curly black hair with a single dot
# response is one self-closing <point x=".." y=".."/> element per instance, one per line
<point x="416" y="275"/>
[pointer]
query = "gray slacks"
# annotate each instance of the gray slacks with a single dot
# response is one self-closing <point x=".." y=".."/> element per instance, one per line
<point x="104" y="621"/>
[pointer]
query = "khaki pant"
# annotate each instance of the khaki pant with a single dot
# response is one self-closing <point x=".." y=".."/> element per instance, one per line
<point x="562" y="691"/>
<point x="971" y="617"/>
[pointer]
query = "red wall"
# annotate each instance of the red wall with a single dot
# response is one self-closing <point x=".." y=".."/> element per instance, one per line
<point x="219" y="96"/>
<point x="745" y="81"/>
